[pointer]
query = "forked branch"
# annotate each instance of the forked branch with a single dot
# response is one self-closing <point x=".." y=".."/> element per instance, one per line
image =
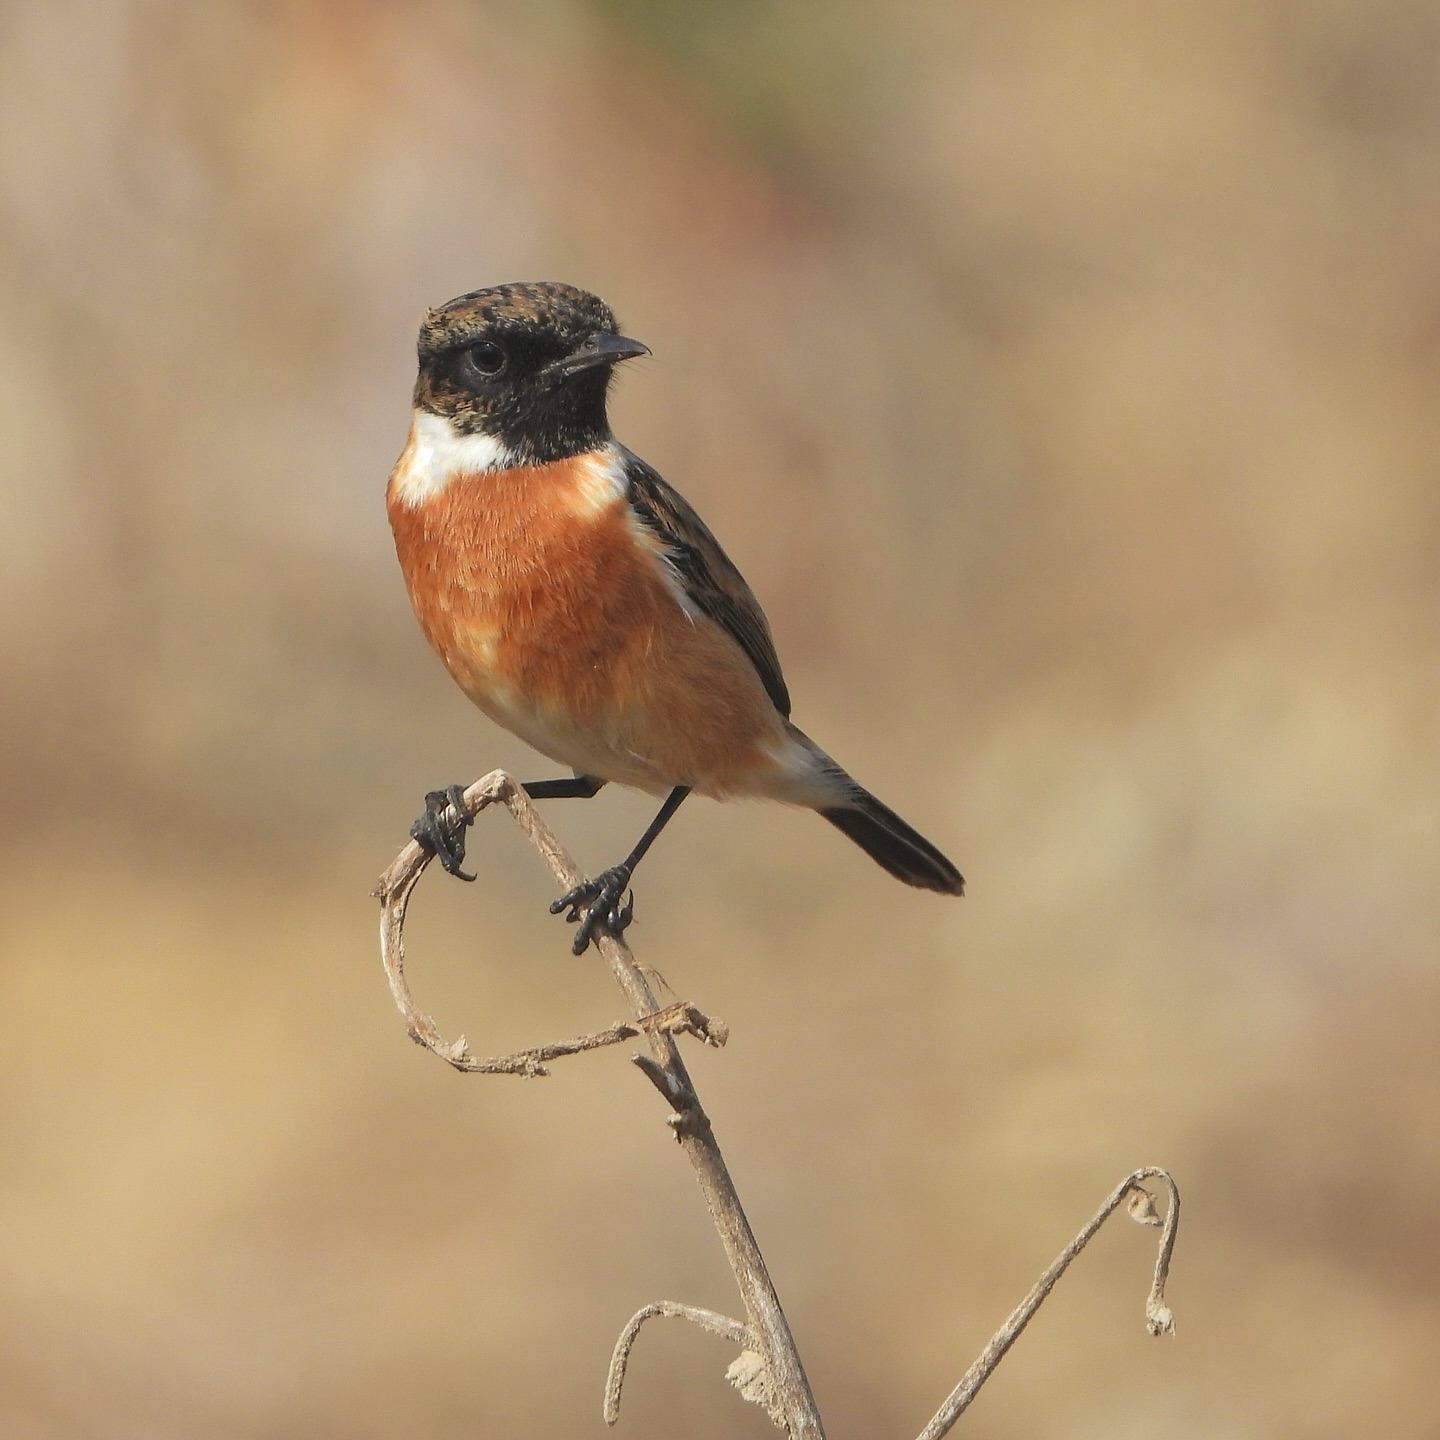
<point x="768" y="1370"/>
<point x="782" y="1386"/>
<point x="394" y="890"/>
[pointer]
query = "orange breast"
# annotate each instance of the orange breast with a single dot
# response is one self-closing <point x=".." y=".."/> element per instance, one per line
<point x="539" y="592"/>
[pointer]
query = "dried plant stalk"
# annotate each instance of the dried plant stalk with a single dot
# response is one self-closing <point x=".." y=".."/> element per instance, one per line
<point x="716" y="1324"/>
<point x="1157" y="1314"/>
<point x="394" y="890"/>
<point x="786" y="1391"/>
<point x="768" y="1369"/>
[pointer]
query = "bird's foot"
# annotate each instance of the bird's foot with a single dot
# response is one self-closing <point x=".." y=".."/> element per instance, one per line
<point x="445" y="840"/>
<point x="596" y="904"/>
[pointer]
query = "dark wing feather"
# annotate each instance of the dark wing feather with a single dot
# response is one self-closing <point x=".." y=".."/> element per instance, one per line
<point x="709" y="577"/>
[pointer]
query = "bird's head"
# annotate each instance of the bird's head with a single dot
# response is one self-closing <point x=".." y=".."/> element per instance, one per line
<point x="525" y="365"/>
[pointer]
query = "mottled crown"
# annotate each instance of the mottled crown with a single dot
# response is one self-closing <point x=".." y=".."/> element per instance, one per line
<point x="538" y="308"/>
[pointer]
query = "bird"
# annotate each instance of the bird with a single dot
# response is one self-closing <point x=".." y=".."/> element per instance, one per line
<point x="580" y="602"/>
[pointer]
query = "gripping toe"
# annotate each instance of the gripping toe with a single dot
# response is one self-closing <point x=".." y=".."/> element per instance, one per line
<point x="442" y="834"/>
<point x="597" y="905"/>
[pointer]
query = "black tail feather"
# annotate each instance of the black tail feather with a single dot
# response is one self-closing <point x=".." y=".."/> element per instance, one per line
<point x="894" y="845"/>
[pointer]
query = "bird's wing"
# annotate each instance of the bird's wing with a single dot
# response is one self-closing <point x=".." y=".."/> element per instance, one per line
<point x="710" y="579"/>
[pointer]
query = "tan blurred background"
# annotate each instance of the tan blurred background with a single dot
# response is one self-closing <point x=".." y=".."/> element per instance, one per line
<point x="1062" y="374"/>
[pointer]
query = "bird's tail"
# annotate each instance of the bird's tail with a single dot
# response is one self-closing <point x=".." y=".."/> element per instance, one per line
<point x="893" y="844"/>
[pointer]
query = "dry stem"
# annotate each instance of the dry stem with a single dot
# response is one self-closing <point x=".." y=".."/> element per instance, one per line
<point x="1157" y="1314"/>
<point x="787" y="1392"/>
<point x="768" y="1369"/>
<point x="716" y="1324"/>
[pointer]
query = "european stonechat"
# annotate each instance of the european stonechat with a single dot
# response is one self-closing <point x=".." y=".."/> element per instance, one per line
<point x="581" y="603"/>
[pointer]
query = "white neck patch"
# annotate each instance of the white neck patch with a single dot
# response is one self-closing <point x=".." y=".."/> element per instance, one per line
<point x="436" y="453"/>
<point x="601" y="480"/>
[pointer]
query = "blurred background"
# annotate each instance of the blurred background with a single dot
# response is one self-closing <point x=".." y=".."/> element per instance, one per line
<point x="1062" y="375"/>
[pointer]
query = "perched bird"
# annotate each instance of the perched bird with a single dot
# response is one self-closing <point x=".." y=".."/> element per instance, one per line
<point x="582" y="604"/>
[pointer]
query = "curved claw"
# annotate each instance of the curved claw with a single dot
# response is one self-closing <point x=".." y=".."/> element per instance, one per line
<point x="595" y="905"/>
<point x="622" y="917"/>
<point x="445" y="841"/>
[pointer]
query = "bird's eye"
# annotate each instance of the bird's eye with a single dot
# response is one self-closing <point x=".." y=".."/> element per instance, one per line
<point x="487" y="357"/>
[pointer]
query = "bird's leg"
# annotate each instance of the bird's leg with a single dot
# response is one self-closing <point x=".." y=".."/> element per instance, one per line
<point x="574" y="787"/>
<point x="446" y="842"/>
<point x="599" y="899"/>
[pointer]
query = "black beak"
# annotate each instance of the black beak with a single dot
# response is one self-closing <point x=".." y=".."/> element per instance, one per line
<point x="602" y="349"/>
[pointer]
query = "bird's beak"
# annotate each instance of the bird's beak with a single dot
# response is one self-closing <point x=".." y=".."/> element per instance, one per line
<point x="602" y="349"/>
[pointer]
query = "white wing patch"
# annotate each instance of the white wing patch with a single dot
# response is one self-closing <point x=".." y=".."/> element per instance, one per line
<point x="436" y="453"/>
<point x="649" y="541"/>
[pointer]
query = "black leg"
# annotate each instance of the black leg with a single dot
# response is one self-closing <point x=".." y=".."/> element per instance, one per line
<point x="447" y="841"/>
<point x="575" y="787"/>
<point x="600" y="897"/>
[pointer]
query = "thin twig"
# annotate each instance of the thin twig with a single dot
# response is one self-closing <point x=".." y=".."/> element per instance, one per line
<point x="1157" y="1314"/>
<point x="394" y="890"/>
<point x="780" y="1384"/>
<point x="722" y="1325"/>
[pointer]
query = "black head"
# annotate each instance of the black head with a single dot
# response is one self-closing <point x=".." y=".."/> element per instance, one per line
<point x="527" y="364"/>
